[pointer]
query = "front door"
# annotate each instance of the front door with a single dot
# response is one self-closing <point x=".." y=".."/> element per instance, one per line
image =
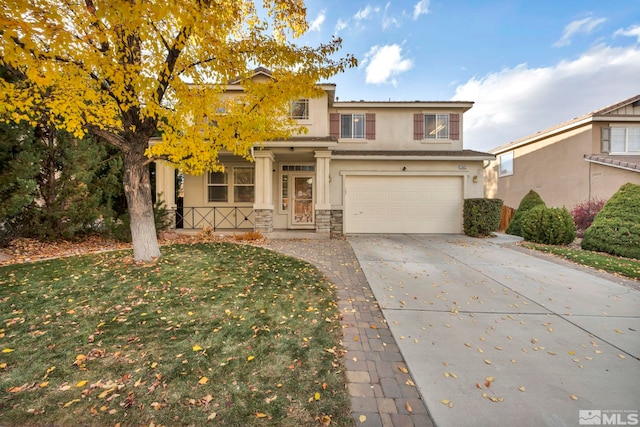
<point x="302" y="212"/>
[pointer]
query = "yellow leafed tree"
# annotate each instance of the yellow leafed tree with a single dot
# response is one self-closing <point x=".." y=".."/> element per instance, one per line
<point x="128" y="70"/>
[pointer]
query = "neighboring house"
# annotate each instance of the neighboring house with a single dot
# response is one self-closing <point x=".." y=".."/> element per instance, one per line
<point x="363" y="167"/>
<point x="586" y="158"/>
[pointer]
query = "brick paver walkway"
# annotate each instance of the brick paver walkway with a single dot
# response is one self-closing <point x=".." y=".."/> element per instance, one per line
<point x="381" y="388"/>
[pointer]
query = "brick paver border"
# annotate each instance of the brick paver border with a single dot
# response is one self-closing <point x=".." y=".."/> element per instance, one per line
<point x="381" y="388"/>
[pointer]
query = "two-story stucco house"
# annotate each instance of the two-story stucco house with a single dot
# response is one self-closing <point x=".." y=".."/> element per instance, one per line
<point x="586" y="158"/>
<point x="363" y="167"/>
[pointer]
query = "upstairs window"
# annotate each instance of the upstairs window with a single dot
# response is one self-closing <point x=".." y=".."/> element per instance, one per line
<point x="299" y="109"/>
<point x="625" y="140"/>
<point x="506" y="164"/>
<point x="431" y="127"/>
<point x="436" y="126"/>
<point x="352" y="126"/>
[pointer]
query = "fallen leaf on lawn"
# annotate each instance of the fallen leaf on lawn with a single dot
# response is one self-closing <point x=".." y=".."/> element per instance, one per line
<point x="157" y="405"/>
<point x="81" y="383"/>
<point x="212" y="416"/>
<point x="3" y="365"/>
<point x="250" y="358"/>
<point x="196" y="348"/>
<point x="325" y="420"/>
<point x="408" y="407"/>
<point x="316" y="396"/>
<point x="521" y="388"/>
<point x="71" y="402"/>
<point x="203" y="380"/>
<point x="7" y="350"/>
<point x="261" y="415"/>
<point x="573" y="397"/>
<point x="106" y="393"/>
<point x="44" y="384"/>
<point x="362" y="418"/>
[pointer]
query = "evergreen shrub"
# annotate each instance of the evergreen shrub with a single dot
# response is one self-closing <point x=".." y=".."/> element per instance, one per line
<point x="616" y="228"/>
<point x="529" y="201"/>
<point x="481" y="217"/>
<point x="550" y="226"/>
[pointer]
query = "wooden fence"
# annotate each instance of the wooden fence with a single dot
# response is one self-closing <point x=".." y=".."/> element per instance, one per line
<point x="505" y="219"/>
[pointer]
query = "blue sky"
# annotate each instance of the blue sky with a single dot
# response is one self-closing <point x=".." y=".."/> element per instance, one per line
<point x="527" y="65"/>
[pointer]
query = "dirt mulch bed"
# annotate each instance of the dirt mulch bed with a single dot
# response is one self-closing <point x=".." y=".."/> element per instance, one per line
<point x="29" y="250"/>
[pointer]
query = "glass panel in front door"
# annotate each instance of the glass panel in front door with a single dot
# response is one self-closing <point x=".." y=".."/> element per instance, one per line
<point x="303" y="200"/>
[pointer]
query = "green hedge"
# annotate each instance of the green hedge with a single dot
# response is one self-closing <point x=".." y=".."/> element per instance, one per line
<point x="529" y="201"/>
<point x="551" y="226"/>
<point x="481" y="217"/>
<point x="616" y="228"/>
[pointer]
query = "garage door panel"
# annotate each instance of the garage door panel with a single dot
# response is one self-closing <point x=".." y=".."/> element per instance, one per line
<point x="403" y="204"/>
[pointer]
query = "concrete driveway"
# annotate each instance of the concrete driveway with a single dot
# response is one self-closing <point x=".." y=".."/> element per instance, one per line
<point x="495" y="336"/>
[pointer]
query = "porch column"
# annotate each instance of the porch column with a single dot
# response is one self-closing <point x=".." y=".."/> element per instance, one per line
<point x="263" y="188"/>
<point x="323" y="201"/>
<point x="166" y="188"/>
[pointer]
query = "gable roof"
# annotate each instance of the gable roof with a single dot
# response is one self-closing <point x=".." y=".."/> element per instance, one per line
<point x="596" y="115"/>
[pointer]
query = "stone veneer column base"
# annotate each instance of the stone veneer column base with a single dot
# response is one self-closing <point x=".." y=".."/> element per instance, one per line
<point x="323" y="221"/>
<point x="264" y="220"/>
<point x="336" y="223"/>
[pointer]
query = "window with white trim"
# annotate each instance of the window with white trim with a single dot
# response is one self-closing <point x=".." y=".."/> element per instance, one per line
<point x="352" y="126"/>
<point x="241" y="189"/>
<point x="436" y="126"/>
<point x="243" y="184"/>
<point x="217" y="187"/>
<point x="625" y="140"/>
<point x="299" y="109"/>
<point x="506" y="164"/>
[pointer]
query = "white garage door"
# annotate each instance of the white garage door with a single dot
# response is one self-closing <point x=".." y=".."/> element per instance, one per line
<point x="403" y="204"/>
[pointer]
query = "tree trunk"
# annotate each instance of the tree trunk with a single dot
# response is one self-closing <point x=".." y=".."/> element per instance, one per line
<point x="137" y="189"/>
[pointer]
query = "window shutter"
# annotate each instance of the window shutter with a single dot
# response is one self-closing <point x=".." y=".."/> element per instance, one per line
<point x="370" y="130"/>
<point x="418" y="126"/>
<point x="605" y="140"/>
<point x="454" y="126"/>
<point x="334" y="125"/>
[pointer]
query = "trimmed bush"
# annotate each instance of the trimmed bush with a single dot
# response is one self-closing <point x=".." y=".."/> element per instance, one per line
<point x="616" y="228"/>
<point x="529" y="201"/>
<point x="584" y="213"/>
<point x="550" y="226"/>
<point x="481" y="216"/>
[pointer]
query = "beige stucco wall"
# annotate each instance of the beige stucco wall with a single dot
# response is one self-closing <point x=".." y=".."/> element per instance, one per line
<point x="555" y="168"/>
<point x="394" y="130"/>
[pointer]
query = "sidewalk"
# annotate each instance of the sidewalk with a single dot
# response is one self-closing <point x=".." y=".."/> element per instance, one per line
<point x="382" y="390"/>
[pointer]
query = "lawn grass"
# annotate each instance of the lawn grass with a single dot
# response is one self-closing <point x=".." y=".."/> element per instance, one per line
<point x="218" y="333"/>
<point x="626" y="267"/>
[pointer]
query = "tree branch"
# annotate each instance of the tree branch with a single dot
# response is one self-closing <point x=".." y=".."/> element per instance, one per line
<point x="110" y="137"/>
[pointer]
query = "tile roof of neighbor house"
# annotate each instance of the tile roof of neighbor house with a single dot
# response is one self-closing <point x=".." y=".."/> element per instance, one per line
<point x="565" y="125"/>
<point x="631" y="163"/>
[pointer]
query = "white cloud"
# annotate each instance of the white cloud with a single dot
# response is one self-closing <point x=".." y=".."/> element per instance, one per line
<point x="365" y="13"/>
<point x="586" y="25"/>
<point x="420" y="8"/>
<point x="341" y="25"/>
<point x="388" y="21"/>
<point x="520" y="101"/>
<point x="629" y="32"/>
<point x="317" y="23"/>
<point x="385" y="62"/>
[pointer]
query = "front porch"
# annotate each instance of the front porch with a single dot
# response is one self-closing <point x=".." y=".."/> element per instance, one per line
<point x="284" y="188"/>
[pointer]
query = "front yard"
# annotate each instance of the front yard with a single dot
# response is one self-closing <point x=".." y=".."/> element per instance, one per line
<point x="228" y="334"/>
